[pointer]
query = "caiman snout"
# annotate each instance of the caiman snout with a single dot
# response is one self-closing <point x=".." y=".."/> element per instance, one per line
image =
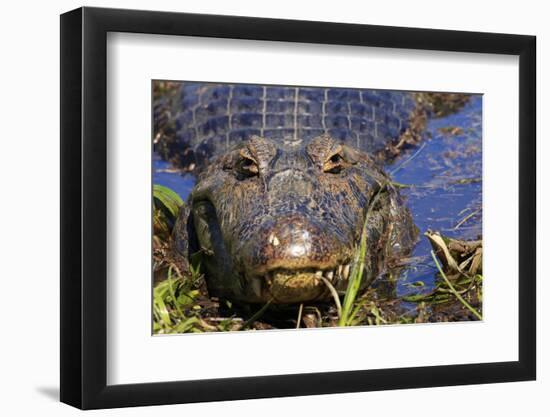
<point x="294" y="242"/>
<point x="293" y="258"/>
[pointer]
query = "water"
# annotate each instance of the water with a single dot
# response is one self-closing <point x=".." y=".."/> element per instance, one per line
<point x="446" y="178"/>
<point x="165" y="174"/>
<point x="443" y="178"/>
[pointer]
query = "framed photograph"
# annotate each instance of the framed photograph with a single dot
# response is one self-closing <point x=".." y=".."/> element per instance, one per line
<point x="257" y="208"/>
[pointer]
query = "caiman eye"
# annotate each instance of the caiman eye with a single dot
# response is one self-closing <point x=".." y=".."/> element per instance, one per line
<point x="335" y="164"/>
<point x="247" y="167"/>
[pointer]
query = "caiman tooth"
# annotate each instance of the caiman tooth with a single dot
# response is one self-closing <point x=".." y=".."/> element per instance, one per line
<point x="329" y="275"/>
<point x="273" y="240"/>
<point x="346" y="271"/>
<point x="319" y="274"/>
<point x="256" y="285"/>
<point x="339" y="274"/>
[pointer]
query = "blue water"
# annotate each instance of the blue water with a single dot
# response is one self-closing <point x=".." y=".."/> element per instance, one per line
<point x="165" y="174"/>
<point x="432" y="172"/>
<point x="437" y="200"/>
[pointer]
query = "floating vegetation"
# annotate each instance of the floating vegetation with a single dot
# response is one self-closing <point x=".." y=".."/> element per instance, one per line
<point x="459" y="264"/>
<point x="451" y="130"/>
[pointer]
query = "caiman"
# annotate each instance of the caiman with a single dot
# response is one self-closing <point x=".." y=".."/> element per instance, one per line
<point x="288" y="181"/>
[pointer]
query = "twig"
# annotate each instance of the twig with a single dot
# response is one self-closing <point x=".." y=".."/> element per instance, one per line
<point x="465" y="219"/>
<point x="334" y="295"/>
<point x="299" y="319"/>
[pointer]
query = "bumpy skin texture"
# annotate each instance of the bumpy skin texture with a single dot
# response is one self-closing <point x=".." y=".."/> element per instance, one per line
<point x="211" y="118"/>
<point x="285" y="182"/>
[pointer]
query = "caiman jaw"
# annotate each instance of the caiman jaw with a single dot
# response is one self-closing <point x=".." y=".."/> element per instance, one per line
<point x="294" y="286"/>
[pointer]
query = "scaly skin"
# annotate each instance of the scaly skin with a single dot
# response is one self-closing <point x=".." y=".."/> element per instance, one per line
<point x="203" y="121"/>
<point x="285" y="182"/>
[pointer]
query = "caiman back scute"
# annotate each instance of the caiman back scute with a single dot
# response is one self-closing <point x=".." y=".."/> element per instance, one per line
<point x="211" y="118"/>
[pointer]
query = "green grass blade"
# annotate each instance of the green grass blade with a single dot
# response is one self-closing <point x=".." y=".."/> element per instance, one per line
<point x="167" y="199"/>
<point x="161" y="310"/>
<point x="356" y="274"/>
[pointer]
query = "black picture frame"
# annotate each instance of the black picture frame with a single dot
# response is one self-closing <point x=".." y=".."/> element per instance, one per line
<point x="84" y="207"/>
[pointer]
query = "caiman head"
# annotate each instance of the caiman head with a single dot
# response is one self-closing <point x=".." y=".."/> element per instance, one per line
<point x="276" y="221"/>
